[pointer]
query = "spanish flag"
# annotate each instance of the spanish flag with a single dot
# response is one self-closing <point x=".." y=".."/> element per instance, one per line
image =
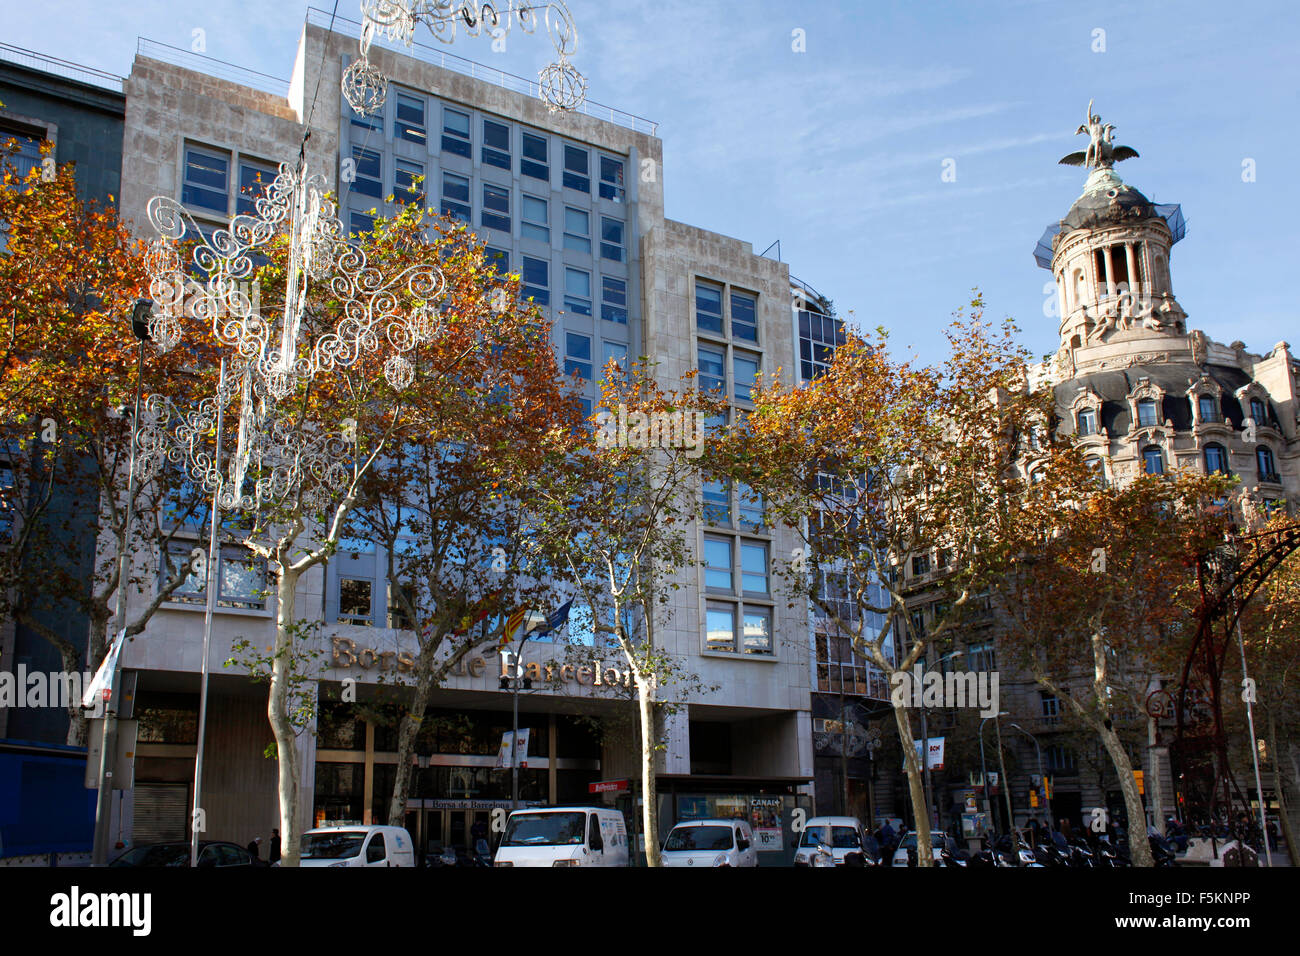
<point x="513" y="622"/>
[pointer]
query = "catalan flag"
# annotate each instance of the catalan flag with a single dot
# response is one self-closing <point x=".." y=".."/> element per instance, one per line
<point x="515" y="619"/>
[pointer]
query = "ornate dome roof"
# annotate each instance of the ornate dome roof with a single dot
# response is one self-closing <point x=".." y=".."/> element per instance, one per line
<point x="1107" y="199"/>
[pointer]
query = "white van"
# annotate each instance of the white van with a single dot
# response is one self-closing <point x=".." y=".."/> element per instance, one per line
<point x="841" y="835"/>
<point x="710" y="843"/>
<point x="357" y="846"/>
<point x="564" y="836"/>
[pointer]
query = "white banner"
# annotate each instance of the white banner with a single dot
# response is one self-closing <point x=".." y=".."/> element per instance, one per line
<point x="935" y="756"/>
<point x="503" y="755"/>
<point x="103" y="679"/>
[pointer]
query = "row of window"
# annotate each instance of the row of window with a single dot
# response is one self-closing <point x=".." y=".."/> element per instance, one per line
<point x="742" y="312"/>
<point x="712" y="376"/>
<point x="206" y="183"/>
<point x="1208" y="411"/>
<point x="1216" y="461"/>
<point x="498" y="145"/>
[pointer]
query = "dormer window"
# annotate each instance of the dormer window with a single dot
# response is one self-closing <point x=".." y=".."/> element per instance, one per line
<point x="1208" y="408"/>
<point x="1147" y="412"/>
<point x="1087" y="422"/>
<point x="1258" y="411"/>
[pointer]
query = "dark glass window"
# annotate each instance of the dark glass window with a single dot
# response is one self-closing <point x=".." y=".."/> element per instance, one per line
<point x="744" y="317"/>
<point x="535" y="162"/>
<point x="1267" y="468"/>
<point x="369" y="179"/>
<point x="611" y="179"/>
<point x="455" y="196"/>
<point x="455" y="132"/>
<point x="712" y="370"/>
<point x="613" y="300"/>
<point x="1087" y="422"/>
<point x="708" y="307"/>
<point x="577" y="354"/>
<point x="254" y="180"/>
<point x="611" y="239"/>
<point x="1147" y="412"/>
<point x="537" y="280"/>
<point x="496" y="144"/>
<point x="496" y="207"/>
<point x="1216" y="459"/>
<point x="409" y="182"/>
<point x="577" y="169"/>
<point x="207" y="180"/>
<point x="409" y="123"/>
<point x="1153" y="460"/>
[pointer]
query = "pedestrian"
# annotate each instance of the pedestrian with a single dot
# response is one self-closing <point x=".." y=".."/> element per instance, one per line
<point x="252" y="848"/>
<point x="275" y="846"/>
<point x="887" y="835"/>
<point x="1272" y="834"/>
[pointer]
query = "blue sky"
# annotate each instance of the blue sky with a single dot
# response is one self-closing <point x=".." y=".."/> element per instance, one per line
<point x="838" y="151"/>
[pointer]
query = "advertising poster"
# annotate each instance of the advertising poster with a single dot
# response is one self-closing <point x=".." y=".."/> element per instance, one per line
<point x="503" y="755"/>
<point x="765" y="820"/>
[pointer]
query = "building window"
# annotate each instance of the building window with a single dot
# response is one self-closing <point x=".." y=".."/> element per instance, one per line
<point x="1087" y="422"/>
<point x="397" y="618"/>
<point x="717" y="502"/>
<point x="1216" y="460"/>
<point x="749" y="507"/>
<point x="1051" y="708"/>
<point x="745" y="366"/>
<point x="981" y="657"/>
<point x="577" y="292"/>
<point x="753" y="567"/>
<point x="720" y="627"/>
<point x="355" y="602"/>
<point x="537" y="280"/>
<point x="713" y="374"/>
<point x="613" y="300"/>
<point x="254" y="180"/>
<point x="1059" y="758"/>
<point x="409" y="182"/>
<point x="369" y="178"/>
<point x="744" y="317"/>
<point x="207" y="180"/>
<point x="708" y="307"/>
<point x="455" y="197"/>
<point x="1258" y="411"/>
<point x="1097" y="467"/>
<point x="577" y="230"/>
<point x="361" y="224"/>
<point x="717" y="565"/>
<point x="535" y="162"/>
<point x="611" y="179"/>
<point x="365" y="122"/>
<point x="455" y="132"/>
<point x="577" y="355"/>
<point x="7" y="499"/>
<point x="409" y="122"/>
<point x="615" y="352"/>
<point x="1267" y="468"/>
<point x="819" y="335"/>
<point x="1208" y="408"/>
<point x="1153" y="460"/>
<point x="757" y="633"/>
<point x="498" y="260"/>
<point x="496" y="208"/>
<point x="1147" y="412"/>
<point x="536" y="219"/>
<point x="920" y="565"/>
<point x="496" y="144"/>
<point x="577" y="169"/>
<point x="611" y="239"/>
<point x="241" y="578"/>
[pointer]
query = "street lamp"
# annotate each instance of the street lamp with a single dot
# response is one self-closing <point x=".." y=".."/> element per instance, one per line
<point x="515" y="679"/>
<point x="140" y="315"/>
<point x="1051" y="824"/>
<point x="984" y="775"/>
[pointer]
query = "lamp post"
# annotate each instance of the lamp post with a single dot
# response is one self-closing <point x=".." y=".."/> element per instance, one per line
<point x="1051" y="824"/>
<point x="925" y="734"/>
<point x="108" y="742"/>
<point x="515" y="678"/>
<point x="984" y="775"/>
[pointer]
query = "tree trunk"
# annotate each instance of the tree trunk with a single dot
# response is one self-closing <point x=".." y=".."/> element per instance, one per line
<point x="71" y="659"/>
<point x="650" y="810"/>
<point x="277" y="710"/>
<point x="1138" y="848"/>
<point x="406" y="734"/>
<point x="920" y="812"/>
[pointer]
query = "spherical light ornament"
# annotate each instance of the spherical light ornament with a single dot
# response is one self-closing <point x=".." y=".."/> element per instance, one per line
<point x="399" y="372"/>
<point x="162" y="259"/>
<point x="364" y="87"/>
<point x="164" y="331"/>
<point x="562" y="87"/>
<point x="279" y="382"/>
<point x="424" y="322"/>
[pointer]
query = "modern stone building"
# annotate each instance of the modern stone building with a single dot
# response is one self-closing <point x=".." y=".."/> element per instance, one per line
<point x="574" y="203"/>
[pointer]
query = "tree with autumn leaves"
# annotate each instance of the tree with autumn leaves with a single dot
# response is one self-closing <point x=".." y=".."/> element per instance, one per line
<point x="69" y="276"/>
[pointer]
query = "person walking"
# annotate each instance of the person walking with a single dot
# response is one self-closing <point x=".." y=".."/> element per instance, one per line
<point x="275" y="846"/>
<point x="252" y="848"/>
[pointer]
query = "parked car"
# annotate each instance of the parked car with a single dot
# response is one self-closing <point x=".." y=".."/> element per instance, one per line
<point x="357" y="846"/>
<point x="938" y="841"/>
<point x="710" y="843"/>
<point x="212" y="853"/>
<point x="564" y="836"/>
<point x="842" y="836"/>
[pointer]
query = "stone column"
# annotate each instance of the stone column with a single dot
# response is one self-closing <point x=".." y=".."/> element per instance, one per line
<point x="1134" y="285"/>
<point x="1110" y="273"/>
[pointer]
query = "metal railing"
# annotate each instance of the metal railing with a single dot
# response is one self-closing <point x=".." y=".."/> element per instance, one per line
<point x="477" y="71"/>
<point x="211" y="66"/>
<point x="57" y="67"/>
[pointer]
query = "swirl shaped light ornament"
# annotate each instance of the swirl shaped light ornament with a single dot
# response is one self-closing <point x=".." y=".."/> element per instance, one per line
<point x="275" y="347"/>
<point x="560" y="85"/>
